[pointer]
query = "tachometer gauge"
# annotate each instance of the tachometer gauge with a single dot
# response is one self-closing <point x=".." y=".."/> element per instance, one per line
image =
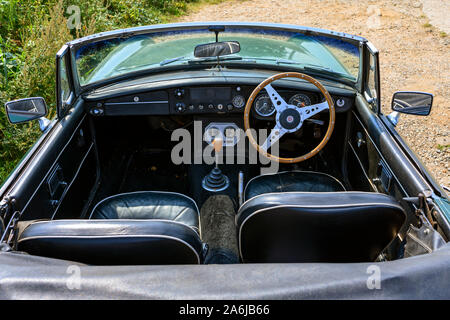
<point x="263" y="105"/>
<point x="300" y="100"/>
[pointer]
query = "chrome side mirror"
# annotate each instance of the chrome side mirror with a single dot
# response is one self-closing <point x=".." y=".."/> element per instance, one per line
<point x="417" y="103"/>
<point x="23" y="110"/>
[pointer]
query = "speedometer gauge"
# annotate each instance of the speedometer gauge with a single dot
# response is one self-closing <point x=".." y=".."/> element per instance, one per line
<point x="300" y="100"/>
<point x="264" y="106"/>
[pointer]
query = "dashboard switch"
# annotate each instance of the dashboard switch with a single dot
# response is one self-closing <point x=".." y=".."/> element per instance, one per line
<point x="180" y="107"/>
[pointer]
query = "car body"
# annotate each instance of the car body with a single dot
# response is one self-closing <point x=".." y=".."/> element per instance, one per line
<point x="368" y="221"/>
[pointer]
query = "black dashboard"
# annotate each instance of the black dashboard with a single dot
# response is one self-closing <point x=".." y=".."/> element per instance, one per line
<point x="194" y="100"/>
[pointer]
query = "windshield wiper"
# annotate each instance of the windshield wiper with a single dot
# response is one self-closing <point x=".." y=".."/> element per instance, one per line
<point x="169" y="61"/>
<point x="327" y="71"/>
<point x="161" y="63"/>
<point x="316" y="68"/>
<point x="307" y="67"/>
<point x="214" y="59"/>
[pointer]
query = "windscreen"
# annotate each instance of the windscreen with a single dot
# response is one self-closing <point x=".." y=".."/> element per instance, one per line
<point x="102" y="60"/>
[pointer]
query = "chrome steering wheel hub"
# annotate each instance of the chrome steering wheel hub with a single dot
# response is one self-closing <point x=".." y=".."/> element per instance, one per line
<point x="290" y="119"/>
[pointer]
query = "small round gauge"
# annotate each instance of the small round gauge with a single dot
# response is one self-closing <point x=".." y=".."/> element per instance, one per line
<point x="238" y="101"/>
<point x="300" y="100"/>
<point x="212" y="132"/>
<point x="264" y="106"/>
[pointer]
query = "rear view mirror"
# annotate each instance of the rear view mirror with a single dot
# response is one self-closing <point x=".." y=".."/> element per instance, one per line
<point x="216" y="49"/>
<point x="24" y="110"/>
<point x="418" y="103"/>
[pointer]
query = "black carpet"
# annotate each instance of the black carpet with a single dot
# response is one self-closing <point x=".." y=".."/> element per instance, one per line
<point x="218" y="230"/>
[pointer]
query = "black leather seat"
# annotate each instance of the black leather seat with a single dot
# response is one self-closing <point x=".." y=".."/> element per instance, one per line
<point x="128" y="229"/>
<point x="317" y="227"/>
<point x="154" y="205"/>
<point x="300" y="181"/>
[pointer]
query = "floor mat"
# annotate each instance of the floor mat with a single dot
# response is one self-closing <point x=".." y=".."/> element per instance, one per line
<point x="153" y="170"/>
<point x="218" y="230"/>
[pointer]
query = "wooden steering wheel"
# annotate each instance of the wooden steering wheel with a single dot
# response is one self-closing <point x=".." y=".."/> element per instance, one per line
<point x="289" y="118"/>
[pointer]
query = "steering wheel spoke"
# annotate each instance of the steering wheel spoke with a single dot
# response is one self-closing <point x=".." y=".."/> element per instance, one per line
<point x="275" y="134"/>
<point x="312" y="110"/>
<point x="276" y="99"/>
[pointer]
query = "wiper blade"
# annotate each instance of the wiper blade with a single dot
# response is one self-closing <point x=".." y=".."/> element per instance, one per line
<point x="327" y="71"/>
<point x="286" y="61"/>
<point x="171" y="60"/>
<point x="213" y="59"/>
<point x="309" y="67"/>
<point x="162" y="63"/>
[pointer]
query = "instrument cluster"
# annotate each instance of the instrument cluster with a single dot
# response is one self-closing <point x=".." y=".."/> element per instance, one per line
<point x="232" y="99"/>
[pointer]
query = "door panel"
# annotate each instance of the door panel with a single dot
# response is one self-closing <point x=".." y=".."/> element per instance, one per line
<point x="60" y="163"/>
<point x="385" y="166"/>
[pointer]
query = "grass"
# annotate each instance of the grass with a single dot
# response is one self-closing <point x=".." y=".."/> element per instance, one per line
<point x="443" y="147"/>
<point x="427" y="25"/>
<point x="32" y="31"/>
<point x="442" y="34"/>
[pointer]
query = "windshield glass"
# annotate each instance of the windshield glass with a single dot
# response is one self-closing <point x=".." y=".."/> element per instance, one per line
<point x="107" y="59"/>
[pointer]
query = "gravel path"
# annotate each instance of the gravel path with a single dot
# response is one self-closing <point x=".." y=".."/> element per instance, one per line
<point x="414" y="54"/>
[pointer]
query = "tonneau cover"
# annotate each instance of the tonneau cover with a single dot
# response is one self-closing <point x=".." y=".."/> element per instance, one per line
<point x="421" y="277"/>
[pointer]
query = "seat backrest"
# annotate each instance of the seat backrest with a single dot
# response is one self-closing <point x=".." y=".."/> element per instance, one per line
<point x="112" y="242"/>
<point x="317" y="227"/>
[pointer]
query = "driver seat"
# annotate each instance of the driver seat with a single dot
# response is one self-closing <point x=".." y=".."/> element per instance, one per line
<point x="288" y="181"/>
<point x="317" y="227"/>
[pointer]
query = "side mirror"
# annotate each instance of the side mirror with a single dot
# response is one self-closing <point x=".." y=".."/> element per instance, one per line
<point x="24" y="110"/>
<point x="418" y="103"/>
<point x="216" y="49"/>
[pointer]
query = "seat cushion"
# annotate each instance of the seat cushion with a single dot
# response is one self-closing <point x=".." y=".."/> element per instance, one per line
<point x="112" y="242"/>
<point x="300" y="181"/>
<point x="153" y="205"/>
<point x="317" y="226"/>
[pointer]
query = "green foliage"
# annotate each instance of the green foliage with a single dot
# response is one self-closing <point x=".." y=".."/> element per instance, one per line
<point x="32" y="31"/>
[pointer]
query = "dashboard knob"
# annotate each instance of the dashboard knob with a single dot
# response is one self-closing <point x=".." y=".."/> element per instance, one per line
<point x="179" y="93"/>
<point x="340" y="102"/>
<point x="180" y="107"/>
<point x="220" y="106"/>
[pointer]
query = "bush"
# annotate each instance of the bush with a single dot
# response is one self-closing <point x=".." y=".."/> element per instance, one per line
<point x="32" y="31"/>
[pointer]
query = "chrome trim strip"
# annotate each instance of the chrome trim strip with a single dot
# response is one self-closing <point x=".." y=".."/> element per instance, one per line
<point x="51" y="167"/>
<point x="73" y="180"/>
<point x="133" y="102"/>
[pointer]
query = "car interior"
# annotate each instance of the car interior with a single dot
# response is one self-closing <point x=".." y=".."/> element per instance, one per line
<point x="104" y="189"/>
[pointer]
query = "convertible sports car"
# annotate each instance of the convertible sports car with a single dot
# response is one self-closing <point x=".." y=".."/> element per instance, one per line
<point x="222" y="161"/>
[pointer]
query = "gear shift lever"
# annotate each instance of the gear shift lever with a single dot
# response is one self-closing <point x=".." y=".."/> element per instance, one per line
<point x="216" y="181"/>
